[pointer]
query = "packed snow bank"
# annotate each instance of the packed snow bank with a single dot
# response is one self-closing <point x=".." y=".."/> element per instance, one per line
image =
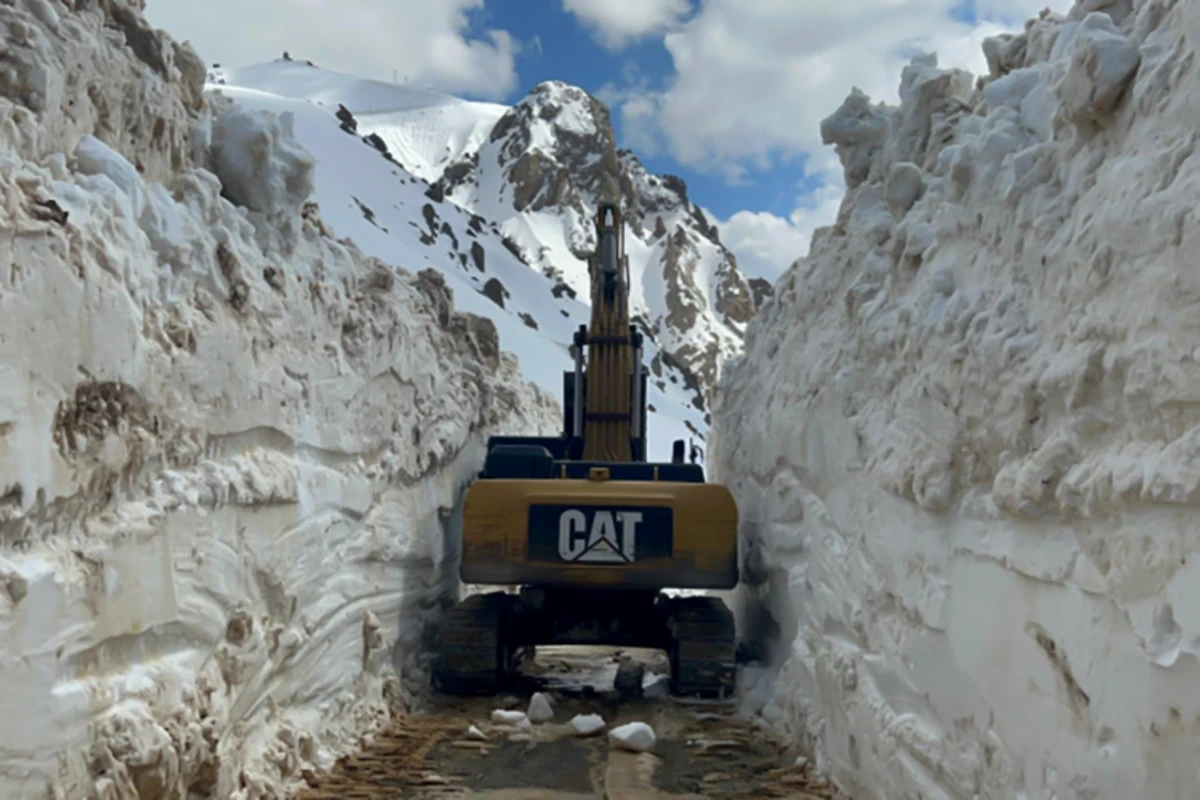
<point x="230" y="445"/>
<point x="964" y="439"/>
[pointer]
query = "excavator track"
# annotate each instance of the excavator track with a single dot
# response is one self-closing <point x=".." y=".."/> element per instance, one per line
<point x="473" y="656"/>
<point x="703" y="647"/>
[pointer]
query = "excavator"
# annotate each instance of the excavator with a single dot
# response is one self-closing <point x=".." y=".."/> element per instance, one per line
<point x="585" y="534"/>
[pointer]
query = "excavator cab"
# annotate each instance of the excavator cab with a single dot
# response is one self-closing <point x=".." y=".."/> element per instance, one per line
<point x="587" y="531"/>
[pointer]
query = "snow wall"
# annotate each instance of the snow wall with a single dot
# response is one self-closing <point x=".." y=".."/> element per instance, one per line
<point x="230" y="445"/>
<point x="965" y="439"/>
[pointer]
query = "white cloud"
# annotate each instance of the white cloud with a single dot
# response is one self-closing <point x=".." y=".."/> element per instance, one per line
<point x="639" y="109"/>
<point x="766" y="244"/>
<point x="616" y="23"/>
<point x="1014" y="12"/>
<point x="428" y="42"/>
<point x="753" y="79"/>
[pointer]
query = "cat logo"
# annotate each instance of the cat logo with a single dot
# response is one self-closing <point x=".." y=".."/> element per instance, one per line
<point x="610" y="537"/>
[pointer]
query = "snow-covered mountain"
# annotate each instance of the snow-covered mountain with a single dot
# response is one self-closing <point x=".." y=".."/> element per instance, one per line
<point x="367" y="196"/>
<point x="533" y="173"/>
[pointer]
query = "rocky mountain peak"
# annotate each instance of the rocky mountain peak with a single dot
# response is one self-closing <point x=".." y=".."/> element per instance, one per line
<point x="547" y="162"/>
<point x="647" y="196"/>
<point x="555" y="148"/>
<point x="568" y="108"/>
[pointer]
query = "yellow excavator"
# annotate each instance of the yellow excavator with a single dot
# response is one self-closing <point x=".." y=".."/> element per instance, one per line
<point x="585" y="533"/>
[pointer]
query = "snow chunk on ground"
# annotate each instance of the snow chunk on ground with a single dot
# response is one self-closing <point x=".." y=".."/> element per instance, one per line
<point x="637" y="737"/>
<point x="503" y="717"/>
<point x="540" y="709"/>
<point x="963" y="437"/>
<point x="587" y="724"/>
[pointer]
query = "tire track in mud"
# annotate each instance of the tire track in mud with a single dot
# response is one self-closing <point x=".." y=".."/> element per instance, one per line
<point x="703" y="750"/>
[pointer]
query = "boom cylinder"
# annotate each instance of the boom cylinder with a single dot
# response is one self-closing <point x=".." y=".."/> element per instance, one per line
<point x="609" y="418"/>
<point x="636" y="411"/>
<point x="577" y="415"/>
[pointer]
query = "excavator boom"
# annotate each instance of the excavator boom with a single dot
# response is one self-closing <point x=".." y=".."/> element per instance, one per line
<point x="608" y="429"/>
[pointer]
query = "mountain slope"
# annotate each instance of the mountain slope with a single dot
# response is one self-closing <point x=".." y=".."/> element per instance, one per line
<point x="376" y="202"/>
<point x="537" y="170"/>
<point x="425" y="131"/>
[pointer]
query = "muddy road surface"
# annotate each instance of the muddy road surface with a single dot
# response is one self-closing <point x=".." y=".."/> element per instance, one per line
<point x="456" y="747"/>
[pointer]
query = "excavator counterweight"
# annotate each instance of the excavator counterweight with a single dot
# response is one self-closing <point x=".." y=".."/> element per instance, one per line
<point x="585" y="533"/>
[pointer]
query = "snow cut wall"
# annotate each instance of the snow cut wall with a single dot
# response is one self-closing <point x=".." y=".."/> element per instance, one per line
<point x="230" y="444"/>
<point x="965" y="438"/>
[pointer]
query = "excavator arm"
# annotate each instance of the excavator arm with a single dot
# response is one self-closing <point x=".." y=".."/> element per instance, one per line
<point x="609" y="426"/>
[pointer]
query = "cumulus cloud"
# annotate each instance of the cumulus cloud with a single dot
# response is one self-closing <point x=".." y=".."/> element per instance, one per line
<point x="615" y="23"/>
<point x="430" y="43"/>
<point x="1012" y="12"/>
<point x="766" y="244"/>
<point x="752" y="80"/>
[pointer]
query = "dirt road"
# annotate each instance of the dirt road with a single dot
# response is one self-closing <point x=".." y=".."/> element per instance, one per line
<point x="703" y="749"/>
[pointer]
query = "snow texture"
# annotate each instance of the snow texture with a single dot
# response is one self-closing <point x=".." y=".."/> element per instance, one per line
<point x="965" y="436"/>
<point x="637" y="737"/>
<point x="540" y="709"/>
<point x="230" y="444"/>
<point x="587" y="724"/>
<point x="509" y="717"/>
